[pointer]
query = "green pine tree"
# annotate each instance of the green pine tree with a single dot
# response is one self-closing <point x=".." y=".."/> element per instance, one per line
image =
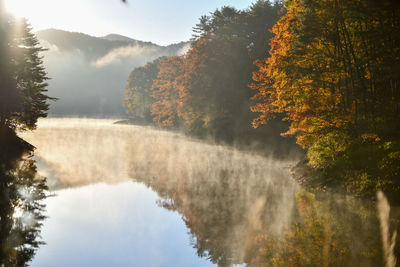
<point x="23" y="77"/>
<point x="10" y="98"/>
<point x="31" y="78"/>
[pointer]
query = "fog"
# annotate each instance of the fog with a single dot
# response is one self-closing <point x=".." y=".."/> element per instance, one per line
<point x="238" y="207"/>
<point x="125" y="53"/>
<point x="85" y="151"/>
<point x="388" y="239"/>
<point x="88" y="74"/>
<point x="78" y="152"/>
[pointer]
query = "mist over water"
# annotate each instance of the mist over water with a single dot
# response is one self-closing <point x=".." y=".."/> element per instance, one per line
<point x="79" y="152"/>
<point x="388" y="241"/>
<point x="238" y="207"/>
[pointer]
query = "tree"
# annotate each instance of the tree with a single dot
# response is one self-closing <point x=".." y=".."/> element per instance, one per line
<point x="30" y="77"/>
<point x="333" y="73"/>
<point x="214" y="97"/>
<point x="213" y="88"/>
<point x="206" y="90"/>
<point x="22" y="194"/>
<point x="10" y="98"/>
<point x="165" y="91"/>
<point x="138" y="99"/>
<point x="22" y="88"/>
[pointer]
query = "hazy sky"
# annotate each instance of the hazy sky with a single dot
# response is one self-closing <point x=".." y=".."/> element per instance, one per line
<point x="158" y="21"/>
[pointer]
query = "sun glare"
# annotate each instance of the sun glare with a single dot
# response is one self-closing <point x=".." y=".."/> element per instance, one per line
<point x="18" y="8"/>
<point x="45" y="14"/>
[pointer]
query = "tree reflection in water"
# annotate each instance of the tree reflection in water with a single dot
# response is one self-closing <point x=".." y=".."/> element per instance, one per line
<point x="22" y="191"/>
<point x="244" y="209"/>
<point x="240" y="208"/>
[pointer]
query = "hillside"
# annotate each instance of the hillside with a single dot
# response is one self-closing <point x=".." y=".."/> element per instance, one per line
<point x="93" y="85"/>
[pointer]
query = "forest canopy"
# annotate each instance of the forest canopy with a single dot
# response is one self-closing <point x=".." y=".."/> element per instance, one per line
<point x="334" y="73"/>
<point x="325" y="72"/>
<point x="205" y="91"/>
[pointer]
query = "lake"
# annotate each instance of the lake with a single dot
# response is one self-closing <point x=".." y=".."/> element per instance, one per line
<point x="125" y="195"/>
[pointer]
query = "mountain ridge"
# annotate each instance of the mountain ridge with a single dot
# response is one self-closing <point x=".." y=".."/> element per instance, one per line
<point x="95" y="69"/>
<point x="53" y="34"/>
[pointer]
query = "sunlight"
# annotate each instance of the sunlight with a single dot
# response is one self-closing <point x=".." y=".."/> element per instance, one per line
<point x="20" y="8"/>
<point x="43" y="12"/>
<point x="38" y="8"/>
<point x="18" y="213"/>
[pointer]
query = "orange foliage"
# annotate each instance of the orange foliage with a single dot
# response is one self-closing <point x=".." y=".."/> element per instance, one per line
<point x="330" y="72"/>
<point x="165" y="91"/>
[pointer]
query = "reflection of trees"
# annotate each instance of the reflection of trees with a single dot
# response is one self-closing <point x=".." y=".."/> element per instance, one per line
<point x="219" y="192"/>
<point x="21" y="211"/>
<point x="241" y="208"/>
<point x="323" y="232"/>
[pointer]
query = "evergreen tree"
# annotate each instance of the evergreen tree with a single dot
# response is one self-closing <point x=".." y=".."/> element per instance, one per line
<point x="10" y="98"/>
<point x="31" y="78"/>
<point x="22" y="75"/>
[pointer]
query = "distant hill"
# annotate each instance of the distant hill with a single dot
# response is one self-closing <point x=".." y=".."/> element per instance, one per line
<point x="117" y="37"/>
<point x="88" y="74"/>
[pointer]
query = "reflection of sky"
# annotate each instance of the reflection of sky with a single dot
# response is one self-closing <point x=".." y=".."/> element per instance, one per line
<point x="113" y="225"/>
<point x="101" y="218"/>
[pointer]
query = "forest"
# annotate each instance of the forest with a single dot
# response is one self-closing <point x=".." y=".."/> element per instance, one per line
<point x="323" y="72"/>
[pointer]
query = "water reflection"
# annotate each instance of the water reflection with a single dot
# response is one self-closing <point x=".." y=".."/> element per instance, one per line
<point x="245" y="209"/>
<point x="22" y="192"/>
<point x="113" y="225"/>
<point x="239" y="208"/>
<point x="221" y="193"/>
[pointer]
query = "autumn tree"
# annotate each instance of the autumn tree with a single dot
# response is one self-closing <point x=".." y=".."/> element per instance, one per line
<point x="332" y="72"/>
<point x="206" y="90"/>
<point x="213" y="90"/>
<point x="138" y="99"/>
<point x="166" y="93"/>
<point x="213" y="87"/>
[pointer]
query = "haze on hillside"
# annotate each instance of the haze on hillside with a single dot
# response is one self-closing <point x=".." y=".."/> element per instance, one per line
<point x="91" y="57"/>
<point x="95" y="69"/>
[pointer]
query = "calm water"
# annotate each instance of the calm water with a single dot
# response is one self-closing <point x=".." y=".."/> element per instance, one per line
<point x="135" y="196"/>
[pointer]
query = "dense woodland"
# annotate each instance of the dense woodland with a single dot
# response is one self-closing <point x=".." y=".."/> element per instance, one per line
<point x="324" y="72"/>
<point x="333" y="71"/>
<point x="205" y="92"/>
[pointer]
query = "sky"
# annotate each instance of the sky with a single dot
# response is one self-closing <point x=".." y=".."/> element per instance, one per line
<point x="159" y="21"/>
